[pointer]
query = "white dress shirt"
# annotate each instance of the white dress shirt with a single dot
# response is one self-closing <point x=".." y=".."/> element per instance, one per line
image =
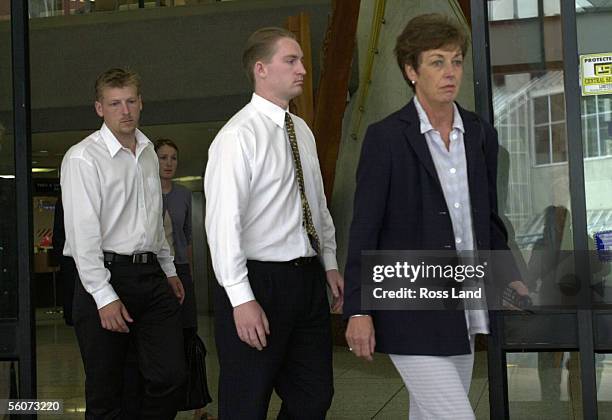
<point x="112" y="202"/>
<point x="253" y="209"/>
<point x="451" y="167"/>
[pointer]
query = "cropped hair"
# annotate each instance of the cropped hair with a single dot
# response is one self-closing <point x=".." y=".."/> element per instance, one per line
<point x="116" y="78"/>
<point x="427" y="32"/>
<point x="261" y="46"/>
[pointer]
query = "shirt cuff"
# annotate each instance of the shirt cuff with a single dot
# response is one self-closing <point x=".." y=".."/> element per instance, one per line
<point x="329" y="261"/>
<point x="239" y="293"/>
<point x="167" y="265"/>
<point x="104" y="296"/>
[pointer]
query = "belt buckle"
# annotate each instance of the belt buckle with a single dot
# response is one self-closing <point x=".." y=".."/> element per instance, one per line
<point x="140" y="258"/>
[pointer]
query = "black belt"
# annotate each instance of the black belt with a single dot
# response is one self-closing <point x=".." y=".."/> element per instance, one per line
<point x="296" y="262"/>
<point x="301" y="261"/>
<point x="142" y="258"/>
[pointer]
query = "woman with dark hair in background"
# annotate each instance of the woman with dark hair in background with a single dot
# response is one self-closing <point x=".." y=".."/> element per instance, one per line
<point x="177" y="224"/>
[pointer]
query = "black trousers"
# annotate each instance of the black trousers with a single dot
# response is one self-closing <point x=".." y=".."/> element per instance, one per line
<point x="297" y="363"/>
<point x="68" y="276"/>
<point x="156" y="334"/>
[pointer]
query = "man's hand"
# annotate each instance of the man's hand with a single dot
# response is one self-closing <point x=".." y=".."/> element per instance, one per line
<point x="177" y="288"/>
<point x="336" y="284"/>
<point x="251" y="324"/>
<point x="520" y="287"/>
<point x="360" y="336"/>
<point x="114" y="316"/>
<point x="516" y="297"/>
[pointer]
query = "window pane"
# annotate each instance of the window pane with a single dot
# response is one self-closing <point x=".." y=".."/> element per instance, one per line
<point x="542" y="145"/>
<point x="605" y="103"/>
<point x="540" y="109"/>
<point x="559" y="145"/>
<point x="552" y="8"/>
<point x="604" y="137"/>
<point x="544" y="382"/>
<point x="590" y="104"/>
<point x="557" y="107"/>
<point x="591" y="136"/>
<point x="604" y="122"/>
<point x="527" y="8"/>
<point x="501" y="10"/>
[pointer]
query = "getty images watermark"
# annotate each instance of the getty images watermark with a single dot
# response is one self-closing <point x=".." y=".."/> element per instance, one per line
<point x="447" y="280"/>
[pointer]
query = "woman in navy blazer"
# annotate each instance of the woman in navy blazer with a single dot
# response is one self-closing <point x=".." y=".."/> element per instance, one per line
<point x="401" y="204"/>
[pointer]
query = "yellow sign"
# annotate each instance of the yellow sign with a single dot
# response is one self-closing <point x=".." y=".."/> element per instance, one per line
<point x="596" y="74"/>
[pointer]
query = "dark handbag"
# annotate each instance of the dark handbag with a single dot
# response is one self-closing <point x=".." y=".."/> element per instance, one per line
<point x="196" y="393"/>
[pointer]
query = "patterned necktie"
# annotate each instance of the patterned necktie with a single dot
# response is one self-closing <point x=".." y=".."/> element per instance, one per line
<point x="306" y="215"/>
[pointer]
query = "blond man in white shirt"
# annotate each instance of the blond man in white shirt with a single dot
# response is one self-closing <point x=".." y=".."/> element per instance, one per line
<point x="273" y="246"/>
<point x="128" y="288"/>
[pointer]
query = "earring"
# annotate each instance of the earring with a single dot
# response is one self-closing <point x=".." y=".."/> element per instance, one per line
<point x="413" y="81"/>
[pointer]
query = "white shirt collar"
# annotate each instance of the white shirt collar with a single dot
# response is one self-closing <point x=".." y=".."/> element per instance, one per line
<point x="424" y="119"/>
<point x="269" y="109"/>
<point x="113" y="145"/>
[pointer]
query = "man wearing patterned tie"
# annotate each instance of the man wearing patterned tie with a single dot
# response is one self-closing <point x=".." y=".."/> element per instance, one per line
<point x="273" y="247"/>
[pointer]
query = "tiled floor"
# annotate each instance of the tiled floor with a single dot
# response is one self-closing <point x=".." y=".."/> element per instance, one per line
<point x="363" y="390"/>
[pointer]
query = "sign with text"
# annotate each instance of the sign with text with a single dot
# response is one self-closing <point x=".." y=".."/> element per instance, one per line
<point x="596" y="74"/>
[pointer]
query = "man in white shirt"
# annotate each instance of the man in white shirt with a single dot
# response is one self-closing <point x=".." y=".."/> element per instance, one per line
<point x="273" y="246"/>
<point x="114" y="232"/>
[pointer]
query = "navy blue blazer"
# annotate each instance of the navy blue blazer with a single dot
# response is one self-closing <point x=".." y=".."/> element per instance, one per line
<point x="399" y="205"/>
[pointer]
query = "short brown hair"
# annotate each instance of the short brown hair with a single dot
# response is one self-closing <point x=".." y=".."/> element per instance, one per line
<point x="117" y="78"/>
<point x="261" y="45"/>
<point x="165" y="142"/>
<point x="427" y="32"/>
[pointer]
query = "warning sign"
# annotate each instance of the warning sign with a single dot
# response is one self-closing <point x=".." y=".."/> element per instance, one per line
<point x="596" y="74"/>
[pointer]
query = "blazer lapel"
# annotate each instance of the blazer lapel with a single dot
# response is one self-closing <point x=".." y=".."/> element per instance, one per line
<point x="417" y="140"/>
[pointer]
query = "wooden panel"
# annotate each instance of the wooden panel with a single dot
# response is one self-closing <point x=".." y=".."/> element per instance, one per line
<point x="467" y="10"/>
<point x="303" y="104"/>
<point x="331" y="97"/>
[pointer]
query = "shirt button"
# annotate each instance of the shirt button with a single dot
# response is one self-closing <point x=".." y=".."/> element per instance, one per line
<point x="457" y="205"/>
<point x="452" y="170"/>
<point x="458" y="240"/>
<point x="454" y="136"/>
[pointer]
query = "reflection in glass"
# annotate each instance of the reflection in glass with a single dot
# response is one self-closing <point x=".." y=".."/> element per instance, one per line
<point x="544" y="385"/>
<point x="557" y="107"/>
<point x="542" y="141"/>
<point x="552" y="8"/>
<point x="530" y="116"/>
<point x="540" y="110"/>
<point x="596" y="112"/>
<point x="512" y="9"/>
<point x="604" y="385"/>
<point x="559" y="143"/>
<point x="594" y="34"/>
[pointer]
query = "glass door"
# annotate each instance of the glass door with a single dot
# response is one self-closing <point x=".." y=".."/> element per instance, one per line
<point x="594" y="36"/>
<point x="555" y="194"/>
<point x="528" y="99"/>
